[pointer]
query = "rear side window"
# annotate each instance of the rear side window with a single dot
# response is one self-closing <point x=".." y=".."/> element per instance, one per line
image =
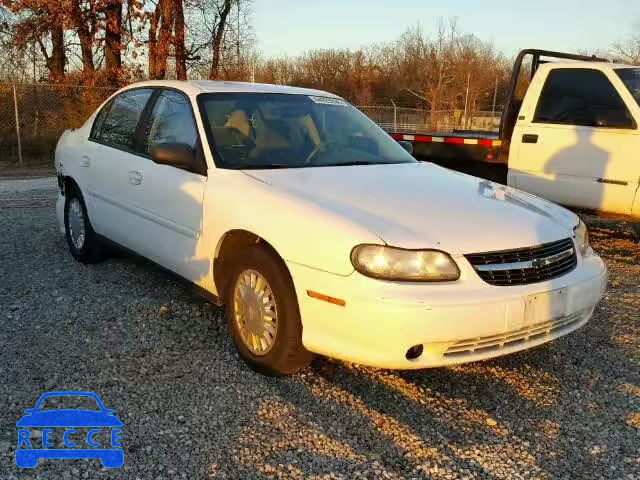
<point x="582" y="97"/>
<point x="117" y="127"/>
<point x="171" y="121"/>
<point x="99" y="120"/>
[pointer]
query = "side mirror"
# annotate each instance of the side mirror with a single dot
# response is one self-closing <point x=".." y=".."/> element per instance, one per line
<point x="179" y="155"/>
<point x="29" y="410"/>
<point x="408" y="146"/>
<point x="613" y="119"/>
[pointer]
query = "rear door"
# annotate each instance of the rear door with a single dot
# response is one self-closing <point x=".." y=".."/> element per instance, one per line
<point x="577" y="145"/>
<point x="168" y="200"/>
<point x="112" y="157"/>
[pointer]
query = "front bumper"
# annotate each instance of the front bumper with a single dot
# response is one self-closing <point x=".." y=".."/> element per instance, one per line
<point x="454" y="322"/>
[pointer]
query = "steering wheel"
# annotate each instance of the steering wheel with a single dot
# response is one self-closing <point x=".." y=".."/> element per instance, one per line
<point x="312" y="154"/>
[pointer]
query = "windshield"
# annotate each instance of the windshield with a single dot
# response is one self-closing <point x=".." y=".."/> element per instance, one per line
<point x="631" y="78"/>
<point x="274" y="130"/>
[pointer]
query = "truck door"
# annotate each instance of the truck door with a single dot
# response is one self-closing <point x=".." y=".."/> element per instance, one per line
<point x="577" y="141"/>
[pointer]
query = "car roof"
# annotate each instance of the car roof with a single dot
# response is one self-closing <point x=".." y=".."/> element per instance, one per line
<point x="195" y="87"/>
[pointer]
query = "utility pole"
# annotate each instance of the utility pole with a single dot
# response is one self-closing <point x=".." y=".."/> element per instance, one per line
<point x="395" y="116"/>
<point x="33" y="56"/>
<point x="466" y="99"/>
<point x="15" y="108"/>
<point x="495" y="94"/>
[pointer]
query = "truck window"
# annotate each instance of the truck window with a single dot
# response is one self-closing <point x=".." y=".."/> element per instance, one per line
<point x="631" y="80"/>
<point x="581" y="97"/>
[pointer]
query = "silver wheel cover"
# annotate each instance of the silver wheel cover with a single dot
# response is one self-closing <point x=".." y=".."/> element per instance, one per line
<point x="255" y="312"/>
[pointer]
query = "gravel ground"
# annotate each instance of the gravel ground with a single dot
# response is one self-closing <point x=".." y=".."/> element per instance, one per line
<point x="161" y="357"/>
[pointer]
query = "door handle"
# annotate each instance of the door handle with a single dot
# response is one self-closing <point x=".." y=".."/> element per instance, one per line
<point x="613" y="182"/>
<point x="135" y="178"/>
<point x="85" y="161"/>
<point x="530" y="138"/>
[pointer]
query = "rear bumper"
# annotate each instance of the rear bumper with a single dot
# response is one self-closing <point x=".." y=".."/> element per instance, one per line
<point x="454" y="323"/>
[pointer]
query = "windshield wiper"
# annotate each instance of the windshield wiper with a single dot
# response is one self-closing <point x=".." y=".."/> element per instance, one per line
<point x="264" y="166"/>
<point x="366" y="162"/>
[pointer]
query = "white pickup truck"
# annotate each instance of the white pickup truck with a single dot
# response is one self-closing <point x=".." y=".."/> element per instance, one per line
<point x="573" y="138"/>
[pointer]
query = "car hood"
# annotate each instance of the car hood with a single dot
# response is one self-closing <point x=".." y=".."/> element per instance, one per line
<point x="69" y="418"/>
<point x="422" y="205"/>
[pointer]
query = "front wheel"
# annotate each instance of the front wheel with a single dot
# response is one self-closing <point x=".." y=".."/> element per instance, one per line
<point x="263" y="315"/>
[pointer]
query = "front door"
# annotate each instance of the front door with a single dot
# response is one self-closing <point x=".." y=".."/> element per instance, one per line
<point x="168" y="200"/>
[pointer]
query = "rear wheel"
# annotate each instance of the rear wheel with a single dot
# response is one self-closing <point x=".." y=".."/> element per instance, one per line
<point x="263" y="315"/>
<point x="83" y="242"/>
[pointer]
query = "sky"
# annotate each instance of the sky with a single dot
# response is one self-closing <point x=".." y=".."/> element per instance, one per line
<point x="289" y="27"/>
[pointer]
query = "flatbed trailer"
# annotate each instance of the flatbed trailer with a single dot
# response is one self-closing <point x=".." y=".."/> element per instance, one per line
<point x="485" y="152"/>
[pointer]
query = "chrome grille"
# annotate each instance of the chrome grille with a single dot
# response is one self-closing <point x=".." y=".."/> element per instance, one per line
<point x="527" y="265"/>
<point x="493" y="343"/>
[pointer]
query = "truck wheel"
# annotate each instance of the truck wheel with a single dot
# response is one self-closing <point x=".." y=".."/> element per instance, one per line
<point x="263" y="315"/>
<point x="83" y="242"/>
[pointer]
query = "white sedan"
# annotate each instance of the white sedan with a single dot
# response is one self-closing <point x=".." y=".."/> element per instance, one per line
<point x="319" y="232"/>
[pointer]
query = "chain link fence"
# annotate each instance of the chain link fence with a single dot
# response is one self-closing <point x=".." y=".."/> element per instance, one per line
<point x="411" y="120"/>
<point x="33" y="116"/>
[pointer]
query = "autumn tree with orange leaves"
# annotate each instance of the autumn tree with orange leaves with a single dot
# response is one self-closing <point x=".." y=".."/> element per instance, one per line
<point x="98" y="41"/>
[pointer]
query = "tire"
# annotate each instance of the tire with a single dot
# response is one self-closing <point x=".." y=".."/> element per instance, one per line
<point x="85" y="248"/>
<point x="286" y="354"/>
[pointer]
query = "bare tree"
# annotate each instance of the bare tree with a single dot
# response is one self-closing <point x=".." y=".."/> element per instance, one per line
<point x="84" y="20"/>
<point x="218" y="35"/>
<point x="166" y="32"/>
<point x="219" y="39"/>
<point x="113" y="36"/>
<point x="41" y="22"/>
<point x="628" y="50"/>
<point x="426" y="66"/>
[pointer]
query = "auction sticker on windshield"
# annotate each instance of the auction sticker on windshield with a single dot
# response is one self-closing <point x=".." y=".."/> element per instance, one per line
<point x="328" y="100"/>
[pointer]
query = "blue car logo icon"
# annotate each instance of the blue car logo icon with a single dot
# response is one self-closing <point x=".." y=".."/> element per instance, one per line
<point x="103" y="430"/>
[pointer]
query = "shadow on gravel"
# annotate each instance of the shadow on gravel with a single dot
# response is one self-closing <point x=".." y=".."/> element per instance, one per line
<point x="162" y="358"/>
<point x="569" y="409"/>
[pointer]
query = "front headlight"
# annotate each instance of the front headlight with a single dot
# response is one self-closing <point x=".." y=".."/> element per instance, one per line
<point x="582" y="238"/>
<point x="390" y="263"/>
